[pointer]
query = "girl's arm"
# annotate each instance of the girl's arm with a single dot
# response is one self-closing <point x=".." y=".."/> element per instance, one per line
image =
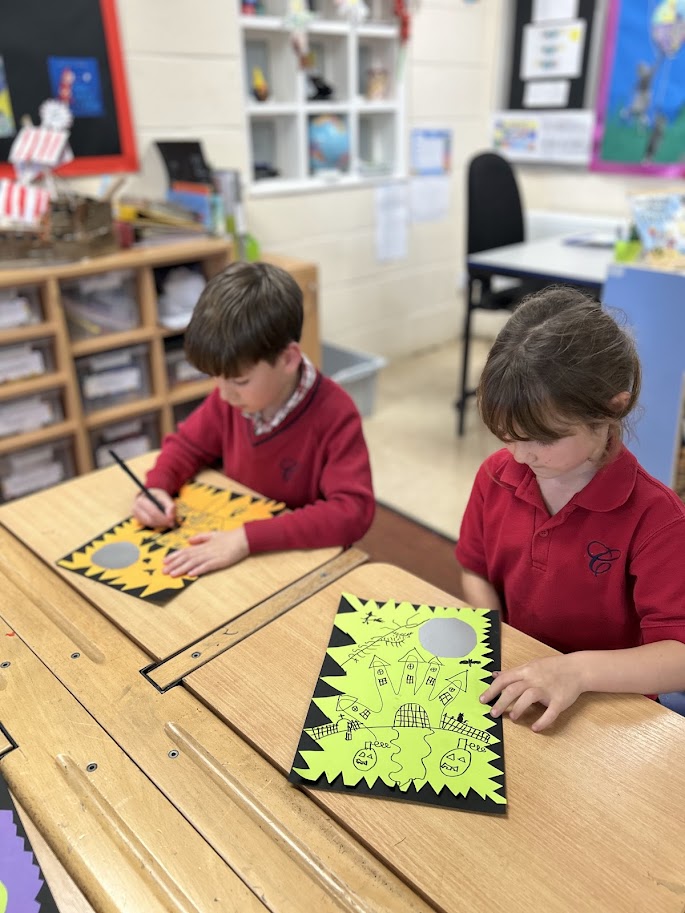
<point x="557" y="681"/>
<point x="477" y="592"/>
<point x="650" y="669"/>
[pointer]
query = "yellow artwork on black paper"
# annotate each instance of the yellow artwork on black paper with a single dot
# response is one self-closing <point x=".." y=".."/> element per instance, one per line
<point x="129" y="557"/>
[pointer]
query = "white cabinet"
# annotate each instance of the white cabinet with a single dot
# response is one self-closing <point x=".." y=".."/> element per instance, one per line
<point x="353" y="131"/>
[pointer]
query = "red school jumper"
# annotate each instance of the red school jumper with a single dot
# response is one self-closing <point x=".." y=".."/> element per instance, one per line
<point x="315" y="460"/>
<point x="604" y="573"/>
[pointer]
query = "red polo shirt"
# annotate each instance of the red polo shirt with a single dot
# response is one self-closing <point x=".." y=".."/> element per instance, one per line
<point x="606" y="572"/>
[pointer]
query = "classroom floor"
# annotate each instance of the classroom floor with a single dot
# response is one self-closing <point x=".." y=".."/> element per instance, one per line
<point x="420" y="466"/>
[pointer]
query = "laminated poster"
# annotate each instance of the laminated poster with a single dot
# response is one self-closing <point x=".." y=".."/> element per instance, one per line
<point x="129" y="556"/>
<point x="396" y="713"/>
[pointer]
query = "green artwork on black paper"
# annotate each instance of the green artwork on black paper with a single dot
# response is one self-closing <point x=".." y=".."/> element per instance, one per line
<point x="396" y="710"/>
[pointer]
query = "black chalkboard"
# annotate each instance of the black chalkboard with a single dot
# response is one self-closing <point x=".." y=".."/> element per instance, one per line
<point x="39" y="39"/>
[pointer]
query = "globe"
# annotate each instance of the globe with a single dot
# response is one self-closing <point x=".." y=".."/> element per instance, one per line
<point x="329" y="143"/>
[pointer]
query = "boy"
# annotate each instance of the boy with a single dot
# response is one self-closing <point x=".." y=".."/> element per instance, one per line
<point x="277" y="424"/>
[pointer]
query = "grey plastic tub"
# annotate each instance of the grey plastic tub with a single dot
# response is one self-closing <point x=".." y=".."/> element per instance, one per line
<point x="356" y="372"/>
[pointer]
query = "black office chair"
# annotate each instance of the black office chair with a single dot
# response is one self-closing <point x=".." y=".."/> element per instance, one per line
<point x="494" y="218"/>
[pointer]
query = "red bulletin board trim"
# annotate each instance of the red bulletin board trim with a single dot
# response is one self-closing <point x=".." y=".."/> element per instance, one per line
<point x="127" y="159"/>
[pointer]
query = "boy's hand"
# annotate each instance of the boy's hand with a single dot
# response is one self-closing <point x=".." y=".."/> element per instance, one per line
<point x="208" y="552"/>
<point x="146" y="513"/>
<point x="554" y="681"/>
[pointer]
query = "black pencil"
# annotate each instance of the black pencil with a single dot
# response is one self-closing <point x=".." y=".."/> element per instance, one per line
<point x="146" y="491"/>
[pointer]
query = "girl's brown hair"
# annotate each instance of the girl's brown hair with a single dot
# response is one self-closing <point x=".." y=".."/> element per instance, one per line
<point x="247" y="313"/>
<point x="559" y="361"/>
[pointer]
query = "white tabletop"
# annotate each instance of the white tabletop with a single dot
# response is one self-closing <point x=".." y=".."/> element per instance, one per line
<point x="548" y="258"/>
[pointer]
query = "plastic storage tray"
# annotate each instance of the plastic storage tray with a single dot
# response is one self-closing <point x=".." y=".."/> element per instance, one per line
<point x="356" y="372"/>
<point x="19" y="307"/>
<point x="26" y="359"/>
<point x="128" y="439"/>
<point x="25" y="471"/>
<point x="112" y="378"/>
<point x="105" y="303"/>
<point x="26" y="413"/>
<point x="179" y="369"/>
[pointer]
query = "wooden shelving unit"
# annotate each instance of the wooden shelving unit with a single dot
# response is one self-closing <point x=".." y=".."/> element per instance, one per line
<point x="161" y="400"/>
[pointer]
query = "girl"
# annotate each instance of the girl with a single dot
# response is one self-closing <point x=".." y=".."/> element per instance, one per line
<point x="565" y="532"/>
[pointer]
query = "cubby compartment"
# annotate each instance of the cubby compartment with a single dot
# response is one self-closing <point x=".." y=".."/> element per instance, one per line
<point x="329" y="61"/>
<point x="329" y="144"/>
<point x="179" y="369"/>
<point x="376" y="68"/>
<point x="101" y="303"/>
<point x="27" y="359"/>
<point x="112" y="378"/>
<point x="275" y="143"/>
<point x="128" y="439"/>
<point x="28" y="413"/>
<point x="270" y="67"/>
<point x="258" y="8"/>
<point x="25" y="471"/>
<point x="20" y="307"/>
<point x="377" y="143"/>
<point x="178" y="287"/>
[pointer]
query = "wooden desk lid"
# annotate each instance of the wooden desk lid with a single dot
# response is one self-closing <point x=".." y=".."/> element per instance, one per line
<point x="54" y="522"/>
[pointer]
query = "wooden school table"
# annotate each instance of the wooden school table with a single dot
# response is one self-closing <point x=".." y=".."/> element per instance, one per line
<point x="189" y="802"/>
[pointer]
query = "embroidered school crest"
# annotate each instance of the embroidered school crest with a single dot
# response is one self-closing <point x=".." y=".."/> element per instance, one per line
<point x="601" y="557"/>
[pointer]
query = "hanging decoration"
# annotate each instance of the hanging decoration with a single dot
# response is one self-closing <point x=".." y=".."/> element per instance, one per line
<point x="297" y="21"/>
<point x="403" y="11"/>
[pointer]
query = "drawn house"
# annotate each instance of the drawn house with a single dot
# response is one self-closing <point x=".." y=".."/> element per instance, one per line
<point x="456" y="684"/>
<point x="411" y="662"/>
<point x="380" y="669"/>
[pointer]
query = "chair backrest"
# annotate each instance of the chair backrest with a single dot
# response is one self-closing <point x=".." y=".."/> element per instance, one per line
<point x="494" y="214"/>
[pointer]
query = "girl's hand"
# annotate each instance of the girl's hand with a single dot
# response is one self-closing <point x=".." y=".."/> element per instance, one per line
<point x="208" y="552"/>
<point x="149" y="515"/>
<point x="554" y="681"/>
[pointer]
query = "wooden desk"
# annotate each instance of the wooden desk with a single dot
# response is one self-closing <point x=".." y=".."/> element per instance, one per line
<point x="596" y="813"/>
<point x="54" y="522"/>
<point x="189" y="800"/>
<point x="205" y="824"/>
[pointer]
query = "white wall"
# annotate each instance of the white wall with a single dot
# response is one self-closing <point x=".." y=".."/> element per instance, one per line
<point x="185" y="80"/>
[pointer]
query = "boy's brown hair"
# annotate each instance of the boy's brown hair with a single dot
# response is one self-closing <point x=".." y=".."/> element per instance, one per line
<point x="247" y="313"/>
<point x="559" y="361"/>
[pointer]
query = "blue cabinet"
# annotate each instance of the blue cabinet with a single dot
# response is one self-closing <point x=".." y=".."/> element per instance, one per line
<point x="654" y="304"/>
